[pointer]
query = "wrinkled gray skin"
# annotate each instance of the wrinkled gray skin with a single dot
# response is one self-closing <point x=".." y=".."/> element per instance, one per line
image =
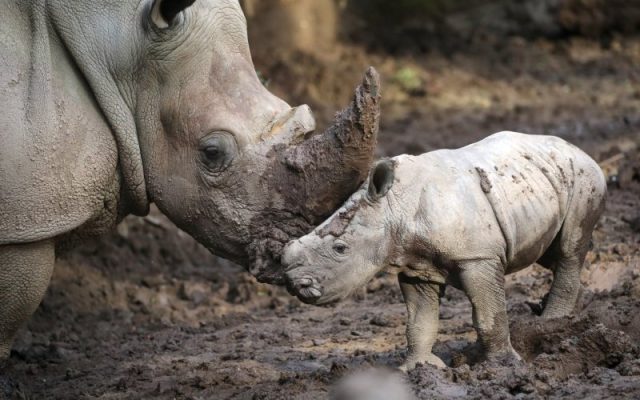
<point x="107" y="106"/>
<point x="462" y="217"/>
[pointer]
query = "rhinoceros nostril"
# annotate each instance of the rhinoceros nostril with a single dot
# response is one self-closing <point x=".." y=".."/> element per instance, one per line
<point x="305" y="287"/>
<point x="304" y="282"/>
<point x="310" y="293"/>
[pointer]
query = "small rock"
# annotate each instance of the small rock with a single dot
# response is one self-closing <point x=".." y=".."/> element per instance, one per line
<point x="621" y="249"/>
<point x="338" y="368"/>
<point x="293" y="335"/>
<point x="380" y="320"/>
<point x="629" y="368"/>
<point x="154" y="281"/>
<point x="319" y="342"/>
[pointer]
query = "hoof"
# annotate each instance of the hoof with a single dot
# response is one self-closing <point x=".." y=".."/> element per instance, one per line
<point x="508" y="356"/>
<point x="432" y="360"/>
<point x="475" y="354"/>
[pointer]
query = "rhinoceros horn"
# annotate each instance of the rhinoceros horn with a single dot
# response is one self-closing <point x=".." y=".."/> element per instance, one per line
<point x="314" y="177"/>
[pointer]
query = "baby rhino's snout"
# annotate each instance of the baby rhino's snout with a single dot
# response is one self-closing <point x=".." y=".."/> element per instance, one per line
<point x="305" y="288"/>
<point x="300" y="283"/>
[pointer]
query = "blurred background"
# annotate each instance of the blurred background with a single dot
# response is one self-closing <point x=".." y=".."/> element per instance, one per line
<point x="148" y="313"/>
<point x="455" y="70"/>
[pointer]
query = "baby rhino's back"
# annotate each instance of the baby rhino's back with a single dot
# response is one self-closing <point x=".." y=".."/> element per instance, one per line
<point x="506" y="196"/>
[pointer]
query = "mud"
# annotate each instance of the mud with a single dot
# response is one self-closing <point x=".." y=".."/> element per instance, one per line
<point x="315" y="175"/>
<point x="340" y="222"/>
<point x="147" y="313"/>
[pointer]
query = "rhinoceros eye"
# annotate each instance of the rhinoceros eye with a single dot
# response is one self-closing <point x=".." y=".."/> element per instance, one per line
<point x="340" y="247"/>
<point x="217" y="151"/>
<point x="212" y="153"/>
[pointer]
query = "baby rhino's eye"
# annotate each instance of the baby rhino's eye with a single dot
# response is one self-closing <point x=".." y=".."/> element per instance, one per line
<point x="340" y="247"/>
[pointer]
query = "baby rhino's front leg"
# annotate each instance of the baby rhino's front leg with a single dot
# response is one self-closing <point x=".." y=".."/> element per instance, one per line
<point x="423" y="303"/>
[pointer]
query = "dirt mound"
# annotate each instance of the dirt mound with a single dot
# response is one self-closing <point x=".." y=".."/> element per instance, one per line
<point x="562" y="356"/>
<point x="575" y="345"/>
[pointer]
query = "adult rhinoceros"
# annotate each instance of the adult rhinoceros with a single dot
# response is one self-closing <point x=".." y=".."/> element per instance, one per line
<point x="109" y="105"/>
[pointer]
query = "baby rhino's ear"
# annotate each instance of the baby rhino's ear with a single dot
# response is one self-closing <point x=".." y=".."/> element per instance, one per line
<point x="381" y="179"/>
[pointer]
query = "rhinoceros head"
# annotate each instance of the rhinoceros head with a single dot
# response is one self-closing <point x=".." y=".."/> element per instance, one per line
<point x="226" y="160"/>
<point x="199" y="135"/>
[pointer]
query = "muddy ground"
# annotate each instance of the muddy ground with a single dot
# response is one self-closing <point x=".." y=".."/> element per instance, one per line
<point x="148" y="313"/>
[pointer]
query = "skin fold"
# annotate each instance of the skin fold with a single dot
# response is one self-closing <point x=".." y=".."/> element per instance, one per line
<point x="464" y="218"/>
<point x="107" y="106"/>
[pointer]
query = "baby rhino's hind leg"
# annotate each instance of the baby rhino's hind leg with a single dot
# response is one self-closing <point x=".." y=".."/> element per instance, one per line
<point x="565" y="288"/>
<point x="423" y="307"/>
<point x="566" y="256"/>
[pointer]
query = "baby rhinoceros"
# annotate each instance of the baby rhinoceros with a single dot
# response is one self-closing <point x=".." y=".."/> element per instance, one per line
<point x="462" y="217"/>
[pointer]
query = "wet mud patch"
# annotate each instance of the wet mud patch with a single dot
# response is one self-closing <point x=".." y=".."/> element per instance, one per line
<point x="561" y="358"/>
<point x="575" y="345"/>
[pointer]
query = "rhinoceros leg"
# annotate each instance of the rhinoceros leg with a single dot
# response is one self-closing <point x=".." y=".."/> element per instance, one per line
<point x="566" y="256"/>
<point x="25" y="271"/>
<point x="483" y="282"/>
<point x="565" y="288"/>
<point x="423" y="303"/>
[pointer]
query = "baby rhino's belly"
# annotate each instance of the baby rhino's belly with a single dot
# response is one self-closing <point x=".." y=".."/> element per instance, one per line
<point x="532" y="244"/>
<point x="530" y="213"/>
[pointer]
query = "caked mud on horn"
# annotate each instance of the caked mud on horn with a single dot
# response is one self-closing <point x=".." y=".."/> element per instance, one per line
<point x="314" y="177"/>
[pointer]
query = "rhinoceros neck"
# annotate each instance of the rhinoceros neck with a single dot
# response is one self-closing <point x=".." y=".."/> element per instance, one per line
<point x="90" y="33"/>
<point x="400" y="207"/>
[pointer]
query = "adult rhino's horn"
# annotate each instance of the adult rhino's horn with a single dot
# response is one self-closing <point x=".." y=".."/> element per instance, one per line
<point x="313" y="178"/>
<point x="332" y="165"/>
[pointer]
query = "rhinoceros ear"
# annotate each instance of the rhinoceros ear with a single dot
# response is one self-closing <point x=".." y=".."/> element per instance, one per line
<point x="164" y="12"/>
<point x="381" y="179"/>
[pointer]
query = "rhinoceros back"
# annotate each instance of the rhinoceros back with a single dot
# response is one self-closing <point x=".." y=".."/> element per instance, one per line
<point x="508" y="193"/>
<point x="57" y="157"/>
<point x="531" y="182"/>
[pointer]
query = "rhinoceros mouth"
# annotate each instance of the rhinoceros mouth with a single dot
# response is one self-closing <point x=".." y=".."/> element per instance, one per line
<point x="305" y="288"/>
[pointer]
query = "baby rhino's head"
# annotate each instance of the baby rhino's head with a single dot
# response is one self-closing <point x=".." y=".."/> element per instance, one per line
<point x="347" y="249"/>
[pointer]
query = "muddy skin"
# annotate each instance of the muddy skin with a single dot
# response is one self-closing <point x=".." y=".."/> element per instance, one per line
<point x="312" y="175"/>
<point x="458" y="217"/>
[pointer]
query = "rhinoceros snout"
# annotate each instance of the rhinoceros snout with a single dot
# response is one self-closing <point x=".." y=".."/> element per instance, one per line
<point x="306" y="288"/>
